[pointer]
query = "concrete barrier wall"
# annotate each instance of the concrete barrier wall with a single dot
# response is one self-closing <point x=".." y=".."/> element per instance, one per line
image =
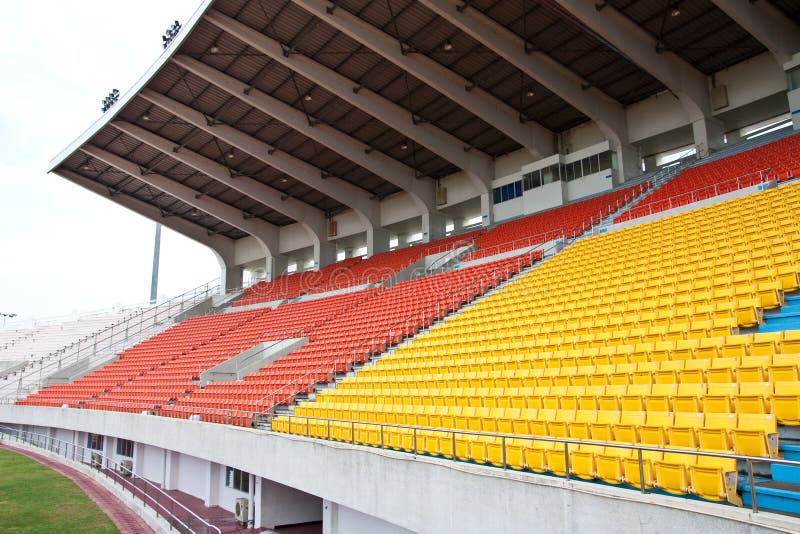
<point x="420" y="494"/>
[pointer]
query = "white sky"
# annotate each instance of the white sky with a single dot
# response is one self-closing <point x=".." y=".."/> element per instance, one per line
<point x="62" y="248"/>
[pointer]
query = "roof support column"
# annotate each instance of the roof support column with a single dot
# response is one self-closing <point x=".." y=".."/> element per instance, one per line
<point x="607" y="113"/>
<point x="433" y="226"/>
<point x="767" y="24"/>
<point x="685" y="82"/>
<point x="311" y="218"/>
<point x="478" y="165"/>
<point x="378" y="241"/>
<point x="538" y="140"/>
<point x="265" y="233"/>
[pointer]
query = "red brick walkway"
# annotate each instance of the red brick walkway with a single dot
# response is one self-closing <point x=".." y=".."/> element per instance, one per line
<point x="126" y="520"/>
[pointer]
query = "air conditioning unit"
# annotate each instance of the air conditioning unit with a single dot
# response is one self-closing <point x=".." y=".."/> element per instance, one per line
<point x="126" y="468"/>
<point x="242" y="505"/>
<point x="97" y="460"/>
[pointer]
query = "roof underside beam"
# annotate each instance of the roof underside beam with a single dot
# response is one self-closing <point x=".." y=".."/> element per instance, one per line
<point x="333" y="186"/>
<point x="221" y="245"/>
<point x="598" y="106"/>
<point x="264" y="232"/>
<point x="378" y="163"/>
<point x="531" y="135"/>
<point x="308" y="216"/>
<point x="767" y="24"/>
<point x="686" y="82"/>
<point x="478" y="165"/>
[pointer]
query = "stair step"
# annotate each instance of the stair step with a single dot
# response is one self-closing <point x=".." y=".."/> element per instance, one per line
<point x="773" y="495"/>
<point x="787" y="473"/>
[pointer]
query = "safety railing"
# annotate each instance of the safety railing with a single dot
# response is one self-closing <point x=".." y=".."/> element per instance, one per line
<point x="702" y="193"/>
<point x="179" y="517"/>
<point x="108" y="341"/>
<point x="517" y="244"/>
<point x="403" y="329"/>
<point x="407" y="438"/>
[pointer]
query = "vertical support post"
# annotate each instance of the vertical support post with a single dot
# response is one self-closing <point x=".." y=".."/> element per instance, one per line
<point x="752" y="485"/>
<point x="641" y="471"/>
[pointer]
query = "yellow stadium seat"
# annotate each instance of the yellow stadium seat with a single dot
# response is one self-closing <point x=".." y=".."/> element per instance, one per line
<point x="631" y="468"/>
<point x="756" y="435"/>
<point x="672" y="472"/>
<point x="714" y="479"/>
<point x="786" y="403"/>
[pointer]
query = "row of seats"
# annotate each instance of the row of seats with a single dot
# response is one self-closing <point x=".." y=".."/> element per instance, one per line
<point x="599" y="455"/>
<point x="773" y="161"/>
<point x="354" y="334"/>
<point x="557" y="223"/>
<point x="575" y="336"/>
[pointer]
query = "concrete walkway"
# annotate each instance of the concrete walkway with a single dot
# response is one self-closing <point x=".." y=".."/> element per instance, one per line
<point x="126" y="520"/>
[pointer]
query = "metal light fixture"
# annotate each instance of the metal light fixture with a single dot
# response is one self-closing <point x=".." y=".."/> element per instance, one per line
<point x="229" y="154"/>
<point x="110" y="100"/>
<point x="404" y="146"/>
<point x="146" y="117"/>
<point x="307" y="97"/>
<point x="530" y="93"/>
<point x="675" y="11"/>
<point x="170" y="34"/>
<point x="214" y="48"/>
<point x="448" y="46"/>
<point x="284" y="180"/>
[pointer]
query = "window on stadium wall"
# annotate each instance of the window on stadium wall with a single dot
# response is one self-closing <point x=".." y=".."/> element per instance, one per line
<point x="125" y="448"/>
<point x="238" y="480"/>
<point x="94" y="442"/>
<point x="560" y="172"/>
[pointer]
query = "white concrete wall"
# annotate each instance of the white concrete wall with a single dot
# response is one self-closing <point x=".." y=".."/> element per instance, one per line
<point x="751" y="80"/>
<point x="444" y="496"/>
<point x="348" y="223"/>
<point x="293" y="237"/>
<point x="282" y="505"/>
<point x="343" y="520"/>
<point x="589" y="185"/>
<point x="658" y="114"/>
<point x="152" y="463"/>
<point x="542" y="198"/>
<point x="192" y="475"/>
<point x="397" y="208"/>
<point x="227" y="496"/>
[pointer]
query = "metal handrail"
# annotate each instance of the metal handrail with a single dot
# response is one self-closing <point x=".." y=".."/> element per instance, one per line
<point x="132" y="326"/>
<point x="750" y="460"/>
<point x="111" y="469"/>
<point x="694" y="194"/>
<point x="390" y="331"/>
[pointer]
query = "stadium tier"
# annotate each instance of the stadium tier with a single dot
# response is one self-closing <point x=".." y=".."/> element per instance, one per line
<point x="41" y="340"/>
<point x="558" y="223"/>
<point x="342" y="330"/>
<point x="778" y="160"/>
<point x="349" y="272"/>
<point x="647" y="336"/>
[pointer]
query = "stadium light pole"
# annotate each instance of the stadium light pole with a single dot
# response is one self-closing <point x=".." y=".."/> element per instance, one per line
<point x="154" y="277"/>
<point x="9" y="315"/>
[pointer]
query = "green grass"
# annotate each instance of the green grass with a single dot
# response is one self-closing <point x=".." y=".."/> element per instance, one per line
<point x="35" y="499"/>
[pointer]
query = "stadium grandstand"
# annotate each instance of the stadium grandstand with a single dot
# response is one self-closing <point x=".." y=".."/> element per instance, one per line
<point x="512" y="267"/>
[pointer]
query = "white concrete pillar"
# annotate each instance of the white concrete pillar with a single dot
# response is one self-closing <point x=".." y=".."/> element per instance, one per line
<point x="629" y="163"/>
<point x="432" y="226"/>
<point x="487" y="213"/>
<point x="171" y="466"/>
<point x="324" y="254"/>
<point x="138" y="457"/>
<point x="231" y="277"/>
<point x="377" y="241"/>
<point x="108" y="449"/>
<point x="212" y="486"/>
<point x="329" y="517"/>
<point x="708" y="135"/>
<point x="276" y="266"/>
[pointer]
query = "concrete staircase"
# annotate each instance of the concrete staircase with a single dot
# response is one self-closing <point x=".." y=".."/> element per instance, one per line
<point x="786" y="318"/>
<point x="777" y="488"/>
